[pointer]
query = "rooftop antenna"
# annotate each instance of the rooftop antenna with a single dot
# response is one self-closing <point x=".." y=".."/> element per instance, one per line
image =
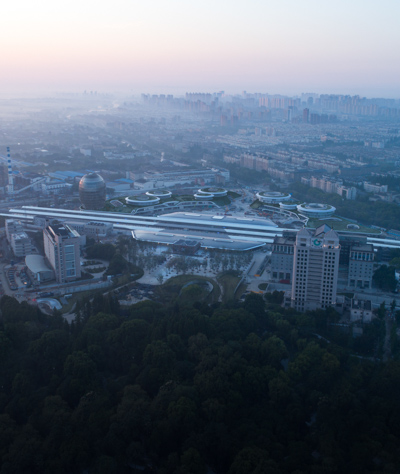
<point x="10" y="187"/>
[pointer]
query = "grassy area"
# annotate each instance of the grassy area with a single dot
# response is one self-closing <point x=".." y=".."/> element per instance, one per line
<point x="128" y="208"/>
<point x="108" y="207"/>
<point x="171" y="289"/>
<point x="256" y="204"/>
<point x="271" y="204"/>
<point x="263" y="286"/>
<point x="340" y="224"/>
<point x="234" y="195"/>
<point x="196" y="291"/>
<point x="222" y="201"/>
<point x="229" y="281"/>
<point x="80" y="295"/>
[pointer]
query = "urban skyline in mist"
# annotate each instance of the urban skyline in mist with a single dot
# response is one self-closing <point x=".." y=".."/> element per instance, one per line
<point x="284" y="47"/>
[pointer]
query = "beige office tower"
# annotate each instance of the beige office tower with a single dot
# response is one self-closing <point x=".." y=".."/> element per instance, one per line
<point x="282" y="258"/>
<point x="315" y="269"/>
<point x="361" y="266"/>
<point x="61" y="247"/>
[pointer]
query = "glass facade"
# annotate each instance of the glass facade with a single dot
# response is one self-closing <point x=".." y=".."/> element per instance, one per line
<point x="92" y="191"/>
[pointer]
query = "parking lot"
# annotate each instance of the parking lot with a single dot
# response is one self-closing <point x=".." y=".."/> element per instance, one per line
<point x="17" y="277"/>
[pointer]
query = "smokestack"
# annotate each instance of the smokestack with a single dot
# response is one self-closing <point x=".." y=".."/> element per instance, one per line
<point x="10" y="187"/>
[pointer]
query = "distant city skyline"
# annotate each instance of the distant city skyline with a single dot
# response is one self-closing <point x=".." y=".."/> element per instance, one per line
<point x="277" y="47"/>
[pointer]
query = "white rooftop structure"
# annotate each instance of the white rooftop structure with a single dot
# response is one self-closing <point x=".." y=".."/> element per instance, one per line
<point x="207" y="241"/>
<point x="262" y="229"/>
<point x="315" y="209"/>
<point x="273" y="197"/>
<point x="38" y="267"/>
<point x="242" y="228"/>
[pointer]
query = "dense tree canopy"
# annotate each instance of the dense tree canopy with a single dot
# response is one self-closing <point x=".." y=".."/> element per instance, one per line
<point x="103" y="251"/>
<point x="384" y="278"/>
<point x="240" y="388"/>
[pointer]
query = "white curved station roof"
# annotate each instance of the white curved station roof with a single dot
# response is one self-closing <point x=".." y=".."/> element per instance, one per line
<point x="175" y="218"/>
<point x="218" y="241"/>
<point x="238" y="228"/>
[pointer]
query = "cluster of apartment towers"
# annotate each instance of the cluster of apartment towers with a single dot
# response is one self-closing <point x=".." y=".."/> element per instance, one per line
<point x="310" y="261"/>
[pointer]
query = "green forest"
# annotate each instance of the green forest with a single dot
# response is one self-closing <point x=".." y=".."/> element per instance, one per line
<point x="230" y="388"/>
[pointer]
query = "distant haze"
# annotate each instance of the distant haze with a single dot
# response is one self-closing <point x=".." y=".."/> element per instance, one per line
<point x="274" y="46"/>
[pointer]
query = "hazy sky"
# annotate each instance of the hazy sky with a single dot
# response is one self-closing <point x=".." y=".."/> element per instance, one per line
<point x="172" y="46"/>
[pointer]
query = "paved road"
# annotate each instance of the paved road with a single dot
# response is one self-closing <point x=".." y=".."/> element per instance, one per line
<point x="376" y="296"/>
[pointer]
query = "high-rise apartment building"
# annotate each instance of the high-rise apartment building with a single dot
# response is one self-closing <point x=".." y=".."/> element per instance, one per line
<point x="315" y="269"/>
<point x="61" y="247"/>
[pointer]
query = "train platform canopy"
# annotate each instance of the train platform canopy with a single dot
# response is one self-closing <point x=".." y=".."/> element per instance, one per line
<point x="212" y="219"/>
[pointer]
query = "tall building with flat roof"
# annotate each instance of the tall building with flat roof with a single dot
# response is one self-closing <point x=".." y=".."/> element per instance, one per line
<point x="18" y="239"/>
<point x="61" y="247"/>
<point x="282" y="258"/>
<point x="12" y="226"/>
<point x="21" y="244"/>
<point x="361" y="266"/>
<point x="315" y="269"/>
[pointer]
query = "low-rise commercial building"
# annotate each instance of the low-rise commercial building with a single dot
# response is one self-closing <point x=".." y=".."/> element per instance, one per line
<point x="92" y="229"/>
<point x="361" y="310"/>
<point x="38" y="269"/>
